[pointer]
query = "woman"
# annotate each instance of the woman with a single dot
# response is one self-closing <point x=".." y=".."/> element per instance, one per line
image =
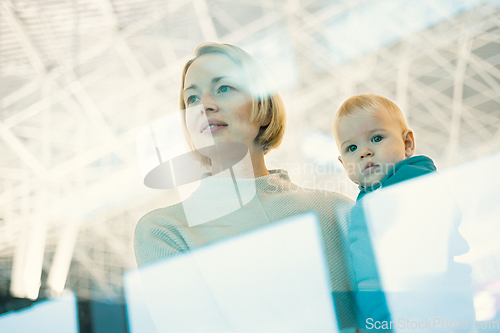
<point x="239" y="108"/>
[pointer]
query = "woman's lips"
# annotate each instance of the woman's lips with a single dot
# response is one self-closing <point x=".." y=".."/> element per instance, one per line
<point x="213" y="128"/>
<point x="212" y="125"/>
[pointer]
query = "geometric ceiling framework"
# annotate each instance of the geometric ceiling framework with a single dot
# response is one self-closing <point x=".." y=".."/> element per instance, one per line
<point x="79" y="80"/>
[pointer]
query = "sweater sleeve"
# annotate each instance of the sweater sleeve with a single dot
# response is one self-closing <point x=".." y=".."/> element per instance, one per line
<point x="156" y="237"/>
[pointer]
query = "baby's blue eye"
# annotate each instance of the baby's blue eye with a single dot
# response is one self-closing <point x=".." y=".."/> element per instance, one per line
<point x="352" y="148"/>
<point x="377" y="138"/>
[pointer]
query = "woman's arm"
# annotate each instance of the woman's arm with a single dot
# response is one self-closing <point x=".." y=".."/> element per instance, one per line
<point x="157" y="237"/>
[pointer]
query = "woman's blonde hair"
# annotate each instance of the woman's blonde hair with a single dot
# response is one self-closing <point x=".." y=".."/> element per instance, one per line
<point x="372" y="104"/>
<point x="265" y="101"/>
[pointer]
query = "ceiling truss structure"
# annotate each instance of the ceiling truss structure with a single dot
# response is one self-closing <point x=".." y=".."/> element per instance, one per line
<point x="79" y="79"/>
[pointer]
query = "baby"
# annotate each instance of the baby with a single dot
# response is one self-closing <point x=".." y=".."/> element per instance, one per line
<point x="373" y="137"/>
<point x="376" y="149"/>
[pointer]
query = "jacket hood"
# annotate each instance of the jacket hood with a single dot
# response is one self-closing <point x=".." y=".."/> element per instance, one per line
<point x="408" y="168"/>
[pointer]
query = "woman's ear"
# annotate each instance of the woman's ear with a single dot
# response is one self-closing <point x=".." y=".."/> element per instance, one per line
<point x="267" y="121"/>
<point x="409" y="141"/>
<point x="269" y="116"/>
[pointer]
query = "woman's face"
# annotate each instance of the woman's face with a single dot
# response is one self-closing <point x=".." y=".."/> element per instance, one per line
<point x="215" y="81"/>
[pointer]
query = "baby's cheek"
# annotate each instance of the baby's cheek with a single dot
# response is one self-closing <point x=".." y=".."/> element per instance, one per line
<point x="350" y="168"/>
<point x="381" y="171"/>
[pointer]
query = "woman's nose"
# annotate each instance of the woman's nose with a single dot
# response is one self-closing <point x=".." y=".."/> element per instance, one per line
<point x="209" y="103"/>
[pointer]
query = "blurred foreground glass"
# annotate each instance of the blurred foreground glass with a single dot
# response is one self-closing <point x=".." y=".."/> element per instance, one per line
<point x="424" y="260"/>
<point x="273" y="279"/>
<point x="54" y="315"/>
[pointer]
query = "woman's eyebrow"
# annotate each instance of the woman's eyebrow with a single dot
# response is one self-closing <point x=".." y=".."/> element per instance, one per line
<point x="214" y="80"/>
<point x="193" y="86"/>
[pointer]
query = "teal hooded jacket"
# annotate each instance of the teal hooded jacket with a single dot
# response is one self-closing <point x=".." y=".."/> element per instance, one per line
<point x="370" y="298"/>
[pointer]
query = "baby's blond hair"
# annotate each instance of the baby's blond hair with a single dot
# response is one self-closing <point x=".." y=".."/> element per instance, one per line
<point x="371" y="104"/>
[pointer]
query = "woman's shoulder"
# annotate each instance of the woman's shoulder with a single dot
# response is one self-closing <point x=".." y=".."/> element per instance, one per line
<point x="157" y="234"/>
<point x="317" y="194"/>
<point x="165" y="216"/>
<point x="280" y="179"/>
<point x="331" y="196"/>
<point x="332" y="203"/>
<point x="284" y="195"/>
<point x="336" y="203"/>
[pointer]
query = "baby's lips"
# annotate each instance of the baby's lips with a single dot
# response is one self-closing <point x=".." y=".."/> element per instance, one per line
<point x="369" y="165"/>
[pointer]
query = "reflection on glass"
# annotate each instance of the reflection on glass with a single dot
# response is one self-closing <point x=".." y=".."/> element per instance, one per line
<point x="167" y="163"/>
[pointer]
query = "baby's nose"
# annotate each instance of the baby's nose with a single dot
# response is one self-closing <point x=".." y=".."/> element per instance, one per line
<point x="366" y="152"/>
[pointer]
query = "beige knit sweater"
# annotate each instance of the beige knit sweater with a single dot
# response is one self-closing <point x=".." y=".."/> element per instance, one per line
<point x="165" y="232"/>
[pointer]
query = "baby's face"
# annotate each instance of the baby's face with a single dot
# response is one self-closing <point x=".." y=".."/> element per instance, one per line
<point x="370" y="146"/>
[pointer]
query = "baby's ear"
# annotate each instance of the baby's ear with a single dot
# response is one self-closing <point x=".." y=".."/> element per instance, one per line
<point x="409" y="141"/>
<point x="340" y="159"/>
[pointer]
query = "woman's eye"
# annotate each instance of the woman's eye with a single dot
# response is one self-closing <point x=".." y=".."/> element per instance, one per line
<point x="224" y="89"/>
<point x="377" y="138"/>
<point x="191" y="99"/>
<point x="351" y="148"/>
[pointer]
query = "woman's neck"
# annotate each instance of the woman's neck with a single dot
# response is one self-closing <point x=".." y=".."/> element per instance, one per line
<point x="259" y="165"/>
<point x="251" y="166"/>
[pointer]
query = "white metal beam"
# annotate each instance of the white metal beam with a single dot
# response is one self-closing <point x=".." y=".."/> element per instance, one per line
<point x="458" y="86"/>
<point x="61" y="261"/>
<point x="24" y="154"/>
<point x="25" y="40"/>
<point x="205" y="20"/>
